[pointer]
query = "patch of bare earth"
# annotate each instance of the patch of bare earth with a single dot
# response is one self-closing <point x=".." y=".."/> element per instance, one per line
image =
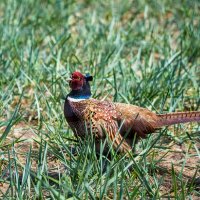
<point x="185" y="161"/>
<point x="20" y="140"/>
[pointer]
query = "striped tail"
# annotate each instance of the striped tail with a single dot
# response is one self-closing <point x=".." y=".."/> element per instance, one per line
<point x="179" y="117"/>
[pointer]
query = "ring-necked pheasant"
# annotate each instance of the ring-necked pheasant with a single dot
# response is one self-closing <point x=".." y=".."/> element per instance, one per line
<point x="117" y="121"/>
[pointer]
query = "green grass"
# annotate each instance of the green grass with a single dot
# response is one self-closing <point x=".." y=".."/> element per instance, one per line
<point x="140" y="52"/>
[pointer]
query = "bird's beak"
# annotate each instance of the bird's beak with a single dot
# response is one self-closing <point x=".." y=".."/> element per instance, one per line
<point x="68" y="79"/>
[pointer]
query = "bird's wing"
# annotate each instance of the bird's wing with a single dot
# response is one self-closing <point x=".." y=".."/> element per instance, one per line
<point x="136" y="120"/>
<point x="101" y="117"/>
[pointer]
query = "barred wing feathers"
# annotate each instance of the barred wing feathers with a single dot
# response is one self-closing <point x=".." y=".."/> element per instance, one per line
<point x="101" y="117"/>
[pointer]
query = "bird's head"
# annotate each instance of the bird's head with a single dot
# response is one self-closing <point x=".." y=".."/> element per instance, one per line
<point x="78" y="80"/>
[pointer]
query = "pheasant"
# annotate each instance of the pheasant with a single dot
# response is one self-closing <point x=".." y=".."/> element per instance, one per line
<point x="118" y="122"/>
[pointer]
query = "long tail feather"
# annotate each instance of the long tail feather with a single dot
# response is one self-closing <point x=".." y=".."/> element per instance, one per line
<point x="179" y="117"/>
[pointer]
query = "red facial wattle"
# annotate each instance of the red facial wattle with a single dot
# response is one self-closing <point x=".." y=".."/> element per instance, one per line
<point x="77" y="80"/>
<point x="76" y="84"/>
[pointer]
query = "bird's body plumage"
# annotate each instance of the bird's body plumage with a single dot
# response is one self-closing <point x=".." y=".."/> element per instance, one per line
<point x="118" y="122"/>
<point x="96" y="117"/>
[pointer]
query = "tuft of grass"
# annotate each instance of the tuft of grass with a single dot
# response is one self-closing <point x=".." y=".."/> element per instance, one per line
<point x="140" y="52"/>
